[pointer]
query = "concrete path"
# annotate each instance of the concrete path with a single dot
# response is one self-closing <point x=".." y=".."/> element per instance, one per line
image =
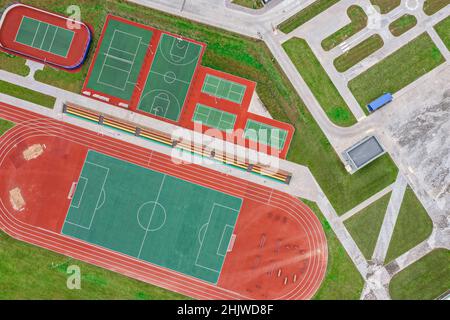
<point x="366" y="202"/>
<point x="390" y="218"/>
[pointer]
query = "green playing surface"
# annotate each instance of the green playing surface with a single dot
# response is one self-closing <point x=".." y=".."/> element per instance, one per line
<point x="119" y="59"/>
<point x="214" y="118"/>
<point x="265" y="134"/>
<point x="152" y="216"/>
<point x="44" y="36"/>
<point x="168" y="82"/>
<point x="224" y="89"/>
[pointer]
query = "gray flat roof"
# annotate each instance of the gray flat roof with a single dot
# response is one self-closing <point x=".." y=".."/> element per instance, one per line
<point x="364" y="151"/>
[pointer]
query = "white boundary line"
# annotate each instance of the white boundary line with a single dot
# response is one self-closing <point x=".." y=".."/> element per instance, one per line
<point x="153" y="211"/>
<point x="36" y="32"/>
<point x="206" y="231"/>
<point x="227" y="226"/>
<point x="82" y="193"/>
<point x="102" y="191"/>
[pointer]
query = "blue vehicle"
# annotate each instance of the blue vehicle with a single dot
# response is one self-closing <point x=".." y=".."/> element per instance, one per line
<point x="381" y="101"/>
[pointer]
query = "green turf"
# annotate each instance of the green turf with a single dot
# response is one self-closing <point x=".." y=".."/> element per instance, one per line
<point x="358" y="53"/>
<point x="14" y="64"/>
<point x="430" y="7"/>
<point x="27" y="94"/>
<point x="365" y="226"/>
<point x="151" y="216"/>
<point x="397" y="70"/>
<point x="319" y="82"/>
<point x="252" y="4"/>
<point x="214" y="118"/>
<point x="443" y="30"/>
<point x="44" y="36"/>
<point x="119" y="60"/>
<point x="306" y="14"/>
<point x="250" y="59"/>
<point x="412" y="227"/>
<point x="29" y="272"/>
<point x="386" y="5"/>
<point x="402" y="24"/>
<point x="342" y="279"/>
<point x="170" y="77"/>
<point x="265" y="134"/>
<point x="358" y="22"/>
<point x="5" y="125"/>
<point x="425" y="279"/>
<point x="223" y="89"/>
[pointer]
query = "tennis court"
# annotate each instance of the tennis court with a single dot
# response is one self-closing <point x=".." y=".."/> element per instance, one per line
<point x="265" y="134"/>
<point x="151" y="216"/>
<point x="170" y="77"/>
<point x="214" y="118"/>
<point x="44" y="36"/>
<point x="224" y="89"/>
<point x="119" y="59"/>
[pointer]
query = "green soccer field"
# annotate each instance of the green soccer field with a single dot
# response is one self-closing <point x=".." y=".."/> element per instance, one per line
<point x="170" y="77"/>
<point x="214" y="118"/>
<point x="265" y="134"/>
<point x="119" y="59"/>
<point x="152" y="216"/>
<point x="224" y="89"/>
<point x="44" y="36"/>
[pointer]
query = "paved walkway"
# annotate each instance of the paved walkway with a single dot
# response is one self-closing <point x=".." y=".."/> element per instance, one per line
<point x="366" y="203"/>
<point x="390" y="218"/>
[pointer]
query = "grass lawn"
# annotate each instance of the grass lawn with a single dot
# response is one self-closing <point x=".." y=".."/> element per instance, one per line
<point x="358" y="53"/>
<point x="27" y="94"/>
<point x="342" y="279"/>
<point x="29" y="272"/>
<point x="319" y="82"/>
<point x="430" y="7"/>
<point x="386" y="5"/>
<point x="412" y="227"/>
<point x="359" y="22"/>
<point x="13" y="64"/>
<point x="251" y="59"/>
<point x="306" y="14"/>
<point x="396" y="71"/>
<point x="5" y="125"/>
<point x="443" y="29"/>
<point x="426" y="279"/>
<point x="252" y="4"/>
<point x="365" y="226"/>
<point x="402" y="24"/>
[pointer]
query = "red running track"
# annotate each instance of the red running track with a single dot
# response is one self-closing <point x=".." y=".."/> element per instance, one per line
<point x="295" y="239"/>
<point x="10" y="24"/>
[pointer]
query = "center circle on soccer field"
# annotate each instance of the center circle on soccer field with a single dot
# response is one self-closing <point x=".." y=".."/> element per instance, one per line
<point x="151" y="216"/>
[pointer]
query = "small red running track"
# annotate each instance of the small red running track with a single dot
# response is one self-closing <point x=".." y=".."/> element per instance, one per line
<point x="10" y="24"/>
<point x="280" y="250"/>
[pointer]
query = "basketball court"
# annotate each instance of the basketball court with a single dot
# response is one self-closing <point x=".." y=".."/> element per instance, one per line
<point x="167" y="85"/>
<point x="134" y="210"/>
